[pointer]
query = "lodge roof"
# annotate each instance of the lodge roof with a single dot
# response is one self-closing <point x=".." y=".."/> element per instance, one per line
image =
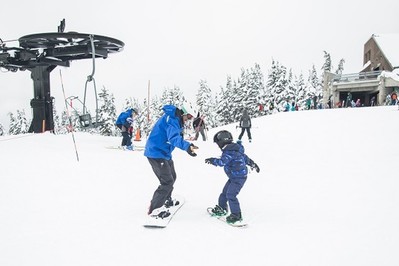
<point x="388" y="44"/>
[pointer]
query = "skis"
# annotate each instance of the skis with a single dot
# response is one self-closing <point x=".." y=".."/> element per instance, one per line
<point x="155" y="222"/>
<point x="240" y="224"/>
<point x="135" y="148"/>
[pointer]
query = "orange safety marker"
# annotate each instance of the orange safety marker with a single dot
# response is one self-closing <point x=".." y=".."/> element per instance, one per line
<point x="137" y="138"/>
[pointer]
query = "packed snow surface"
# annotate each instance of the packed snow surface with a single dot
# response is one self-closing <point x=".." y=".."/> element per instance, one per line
<point x="327" y="194"/>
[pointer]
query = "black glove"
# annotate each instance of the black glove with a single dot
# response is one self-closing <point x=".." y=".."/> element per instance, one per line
<point x="209" y="160"/>
<point x="256" y="167"/>
<point x="190" y="150"/>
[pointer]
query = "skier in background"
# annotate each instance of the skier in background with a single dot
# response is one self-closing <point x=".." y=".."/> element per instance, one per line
<point x="199" y="127"/>
<point x="394" y="98"/>
<point x="125" y="123"/>
<point x="245" y="124"/>
<point x="235" y="161"/>
<point x="349" y="100"/>
<point x="165" y="136"/>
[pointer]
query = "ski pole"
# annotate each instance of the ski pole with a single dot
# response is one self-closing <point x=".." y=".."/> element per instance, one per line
<point x="69" y="117"/>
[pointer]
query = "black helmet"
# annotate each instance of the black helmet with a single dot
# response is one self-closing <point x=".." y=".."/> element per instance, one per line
<point x="222" y="138"/>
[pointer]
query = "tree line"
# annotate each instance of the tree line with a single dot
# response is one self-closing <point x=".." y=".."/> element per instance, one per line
<point x="260" y="94"/>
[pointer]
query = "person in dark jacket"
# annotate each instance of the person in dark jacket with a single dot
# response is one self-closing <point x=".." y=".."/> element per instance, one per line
<point x="125" y="123"/>
<point x="245" y="124"/>
<point x="199" y="127"/>
<point x="235" y="161"/>
<point x="165" y="136"/>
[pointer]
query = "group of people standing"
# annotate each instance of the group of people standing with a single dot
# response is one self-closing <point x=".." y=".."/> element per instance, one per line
<point x="167" y="134"/>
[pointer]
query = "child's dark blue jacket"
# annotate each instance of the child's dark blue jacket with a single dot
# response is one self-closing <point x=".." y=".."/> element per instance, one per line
<point x="234" y="161"/>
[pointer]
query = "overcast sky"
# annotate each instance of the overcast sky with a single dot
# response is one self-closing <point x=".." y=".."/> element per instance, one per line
<point x="180" y="42"/>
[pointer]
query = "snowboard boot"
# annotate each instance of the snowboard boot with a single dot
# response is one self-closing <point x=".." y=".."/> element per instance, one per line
<point x="170" y="203"/>
<point x="218" y="211"/>
<point x="129" y="147"/>
<point x="161" y="212"/>
<point x="233" y="218"/>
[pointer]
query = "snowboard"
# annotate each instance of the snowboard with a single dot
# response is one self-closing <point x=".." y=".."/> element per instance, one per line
<point x="156" y="222"/>
<point x="240" y="224"/>
<point x="136" y="148"/>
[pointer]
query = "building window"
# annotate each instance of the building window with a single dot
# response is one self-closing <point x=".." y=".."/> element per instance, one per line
<point x="367" y="56"/>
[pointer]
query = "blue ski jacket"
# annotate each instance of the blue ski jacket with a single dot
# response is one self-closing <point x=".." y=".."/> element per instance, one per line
<point x="166" y="134"/>
<point x="234" y="161"/>
<point x="123" y="116"/>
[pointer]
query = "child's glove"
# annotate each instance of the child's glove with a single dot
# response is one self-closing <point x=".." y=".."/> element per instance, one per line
<point x="190" y="150"/>
<point x="209" y="160"/>
<point x="255" y="166"/>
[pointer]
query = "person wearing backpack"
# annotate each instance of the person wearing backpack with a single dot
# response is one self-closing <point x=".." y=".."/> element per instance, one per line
<point x="245" y="125"/>
<point x="125" y="123"/>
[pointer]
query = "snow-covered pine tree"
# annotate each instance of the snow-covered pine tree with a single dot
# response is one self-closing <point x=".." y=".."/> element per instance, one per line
<point x="107" y="113"/>
<point x="291" y="88"/>
<point x="314" y="86"/>
<point x="327" y="62"/>
<point x="275" y="86"/>
<point x="254" y="88"/>
<point x="149" y="115"/>
<point x="18" y="124"/>
<point x="340" y="67"/>
<point x="64" y="123"/>
<point x="205" y="103"/>
<point x="13" y="130"/>
<point x="56" y="119"/>
<point x="173" y="96"/>
<point x="2" y="130"/>
<point x="300" y="92"/>
<point x="225" y="109"/>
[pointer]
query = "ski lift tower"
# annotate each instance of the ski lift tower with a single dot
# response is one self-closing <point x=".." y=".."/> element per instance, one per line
<point x="43" y="52"/>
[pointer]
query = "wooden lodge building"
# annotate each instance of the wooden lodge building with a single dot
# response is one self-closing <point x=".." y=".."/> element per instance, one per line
<point x="379" y="76"/>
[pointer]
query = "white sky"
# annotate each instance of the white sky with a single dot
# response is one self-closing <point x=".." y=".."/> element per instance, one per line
<point x="325" y="195"/>
<point x="177" y="42"/>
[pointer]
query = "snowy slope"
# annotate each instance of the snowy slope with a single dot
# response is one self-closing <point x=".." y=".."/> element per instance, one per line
<point x="327" y="194"/>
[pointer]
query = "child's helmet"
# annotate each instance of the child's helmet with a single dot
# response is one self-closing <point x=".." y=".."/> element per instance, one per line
<point x="222" y="138"/>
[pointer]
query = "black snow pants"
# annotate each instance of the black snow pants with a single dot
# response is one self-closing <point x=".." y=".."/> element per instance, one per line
<point x="166" y="174"/>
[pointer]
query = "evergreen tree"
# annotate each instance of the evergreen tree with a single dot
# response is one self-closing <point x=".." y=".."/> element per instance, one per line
<point x="327" y="62"/>
<point x="56" y="118"/>
<point x="314" y="86"/>
<point x="150" y="114"/>
<point x="205" y="103"/>
<point x="18" y="124"/>
<point x="107" y="113"/>
<point x="64" y="127"/>
<point x="173" y="97"/>
<point x="340" y="68"/>
<point x="254" y="87"/>
<point x="276" y="85"/>
<point x="291" y="88"/>
<point x="2" y="131"/>
<point x="300" y="92"/>
<point x="226" y="109"/>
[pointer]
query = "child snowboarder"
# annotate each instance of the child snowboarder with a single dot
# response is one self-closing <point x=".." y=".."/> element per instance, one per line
<point x="235" y="161"/>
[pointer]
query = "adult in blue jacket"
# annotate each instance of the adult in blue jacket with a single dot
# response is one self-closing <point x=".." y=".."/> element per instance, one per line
<point x="125" y="123"/>
<point x="165" y="136"/>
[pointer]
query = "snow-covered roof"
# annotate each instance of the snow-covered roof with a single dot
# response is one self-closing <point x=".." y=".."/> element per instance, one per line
<point x="393" y="75"/>
<point x="388" y="44"/>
